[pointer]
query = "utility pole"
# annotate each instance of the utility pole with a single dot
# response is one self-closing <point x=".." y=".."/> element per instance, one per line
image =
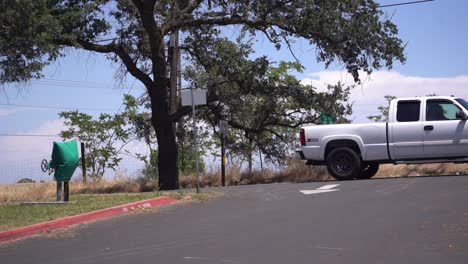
<point x="173" y="59"/>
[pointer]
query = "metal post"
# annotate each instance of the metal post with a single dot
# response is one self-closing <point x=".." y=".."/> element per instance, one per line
<point x="261" y="162"/>
<point x="59" y="191"/>
<point x="223" y="161"/>
<point x="195" y="141"/>
<point x="66" y="191"/>
<point x="83" y="161"/>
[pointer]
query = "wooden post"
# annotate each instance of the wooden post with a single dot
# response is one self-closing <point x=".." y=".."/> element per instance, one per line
<point x="66" y="191"/>
<point x="223" y="131"/>
<point x="223" y="161"/>
<point x="59" y="191"/>
<point x="83" y="161"/>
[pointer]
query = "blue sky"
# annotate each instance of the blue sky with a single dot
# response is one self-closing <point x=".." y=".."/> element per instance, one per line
<point x="435" y="33"/>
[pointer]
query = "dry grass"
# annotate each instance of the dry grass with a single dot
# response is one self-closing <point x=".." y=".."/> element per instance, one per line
<point x="389" y="170"/>
<point x="27" y="192"/>
<point x="297" y="171"/>
<point x="46" y="191"/>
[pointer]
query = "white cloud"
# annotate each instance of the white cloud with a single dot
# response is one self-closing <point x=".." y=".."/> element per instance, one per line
<point x="7" y="112"/>
<point x="30" y="147"/>
<point x="21" y="156"/>
<point x="10" y="111"/>
<point x="368" y="96"/>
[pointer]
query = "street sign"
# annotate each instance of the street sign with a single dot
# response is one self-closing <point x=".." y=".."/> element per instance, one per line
<point x="194" y="97"/>
<point x="199" y="97"/>
<point x="223" y="127"/>
<point x="326" y="119"/>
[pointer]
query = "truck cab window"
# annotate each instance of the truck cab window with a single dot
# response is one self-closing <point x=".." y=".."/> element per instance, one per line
<point x="408" y="111"/>
<point x="439" y="110"/>
<point x="463" y="103"/>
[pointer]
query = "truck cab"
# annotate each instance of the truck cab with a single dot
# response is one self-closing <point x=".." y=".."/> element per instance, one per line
<point x="428" y="127"/>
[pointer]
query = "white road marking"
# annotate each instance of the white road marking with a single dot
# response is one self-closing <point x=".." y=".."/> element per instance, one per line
<point x="329" y="248"/>
<point x="323" y="189"/>
<point x="327" y="187"/>
<point x="317" y="191"/>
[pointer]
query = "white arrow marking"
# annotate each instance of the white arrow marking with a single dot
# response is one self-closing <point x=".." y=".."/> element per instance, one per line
<point x="323" y="189"/>
<point x="328" y="187"/>
<point x="317" y="191"/>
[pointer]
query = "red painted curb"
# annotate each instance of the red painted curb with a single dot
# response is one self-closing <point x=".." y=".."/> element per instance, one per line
<point x="81" y="218"/>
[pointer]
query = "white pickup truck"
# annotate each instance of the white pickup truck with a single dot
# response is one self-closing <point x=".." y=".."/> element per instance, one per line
<point x="420" y="130"/>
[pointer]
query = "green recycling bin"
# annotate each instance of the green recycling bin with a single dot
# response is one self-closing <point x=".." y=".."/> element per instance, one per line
<point x="65" y="159"/>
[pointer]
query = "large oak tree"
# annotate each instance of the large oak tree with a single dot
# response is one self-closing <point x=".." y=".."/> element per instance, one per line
<point x="34" y="34"/>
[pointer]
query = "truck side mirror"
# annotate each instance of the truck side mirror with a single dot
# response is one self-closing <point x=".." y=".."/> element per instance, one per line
<point x="461" y="115"/>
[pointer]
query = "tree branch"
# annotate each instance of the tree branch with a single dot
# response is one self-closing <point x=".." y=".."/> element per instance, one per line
<point x="259" y="24"/>
<point x="123" y="55"/>
<point x="155" y="36"/>
<point x="191" y="6"/>
<point x="134" y="70"/>
<point x="181" y="112"/>
<point x="219" y="21"/>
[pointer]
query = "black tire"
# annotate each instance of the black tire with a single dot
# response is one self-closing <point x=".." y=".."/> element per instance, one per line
<point x="343" y="164"/>
<point x="368" y="170"/>
<point x="44" y="165"/>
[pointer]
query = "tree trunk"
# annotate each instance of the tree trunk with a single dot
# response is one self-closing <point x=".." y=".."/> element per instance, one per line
<point x="167" y="147"/>
<point x="158" y="92"/>
<point x="167" y="150"/>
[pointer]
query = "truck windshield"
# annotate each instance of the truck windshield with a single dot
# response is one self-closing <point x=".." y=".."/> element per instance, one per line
<point x="463" y="103"/>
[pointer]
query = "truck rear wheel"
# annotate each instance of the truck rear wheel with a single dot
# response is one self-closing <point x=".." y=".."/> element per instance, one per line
<point x="344" y="164"/>
<point x="368" y="170"/>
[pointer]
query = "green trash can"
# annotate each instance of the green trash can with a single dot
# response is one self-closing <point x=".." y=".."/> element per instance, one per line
<point x="64" y="161"/>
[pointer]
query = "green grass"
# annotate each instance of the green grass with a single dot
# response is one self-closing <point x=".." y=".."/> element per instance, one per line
<point x="14" y="215"/>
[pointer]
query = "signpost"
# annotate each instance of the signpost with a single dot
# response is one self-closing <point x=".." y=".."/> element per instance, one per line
<point x="194" y="97"/>
<point x="223" y="130"/>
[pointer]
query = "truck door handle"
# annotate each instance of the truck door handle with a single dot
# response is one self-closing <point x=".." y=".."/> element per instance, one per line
<point x="428" y="128"/>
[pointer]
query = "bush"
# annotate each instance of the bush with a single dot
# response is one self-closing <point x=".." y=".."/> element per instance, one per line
<point x="26" y="180"/>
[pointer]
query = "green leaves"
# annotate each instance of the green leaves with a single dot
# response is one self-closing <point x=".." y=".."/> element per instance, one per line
<point x="105" y="138"/>
<point x="383" y="109"/>
<point x="34" y="33"/>
<point x="263" y="102"/>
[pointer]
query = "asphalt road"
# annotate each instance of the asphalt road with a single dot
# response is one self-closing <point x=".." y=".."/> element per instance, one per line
<point x="405" y="220"/>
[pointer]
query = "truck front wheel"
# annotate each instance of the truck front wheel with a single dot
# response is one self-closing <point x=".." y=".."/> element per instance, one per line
<point x="344" y="164"/>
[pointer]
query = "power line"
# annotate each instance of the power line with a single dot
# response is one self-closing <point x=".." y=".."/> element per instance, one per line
<point x="406" y="3"/>
<point x="79" y="84"/>
<point x="74" y="81"/>
<point x="61" y="108"/>
<point x="26" y="135"/>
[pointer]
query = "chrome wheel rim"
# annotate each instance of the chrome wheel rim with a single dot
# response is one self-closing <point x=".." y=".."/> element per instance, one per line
<point x="343" y="164"/>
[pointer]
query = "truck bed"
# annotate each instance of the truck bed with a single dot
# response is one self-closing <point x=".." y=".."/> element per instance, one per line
<point x="373" y="137"/>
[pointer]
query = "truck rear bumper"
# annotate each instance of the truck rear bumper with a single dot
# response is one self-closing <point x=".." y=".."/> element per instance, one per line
<point x="312" y="153"/>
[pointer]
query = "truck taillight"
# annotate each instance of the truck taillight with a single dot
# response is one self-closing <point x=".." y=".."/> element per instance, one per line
<point x="302" y="137"/>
